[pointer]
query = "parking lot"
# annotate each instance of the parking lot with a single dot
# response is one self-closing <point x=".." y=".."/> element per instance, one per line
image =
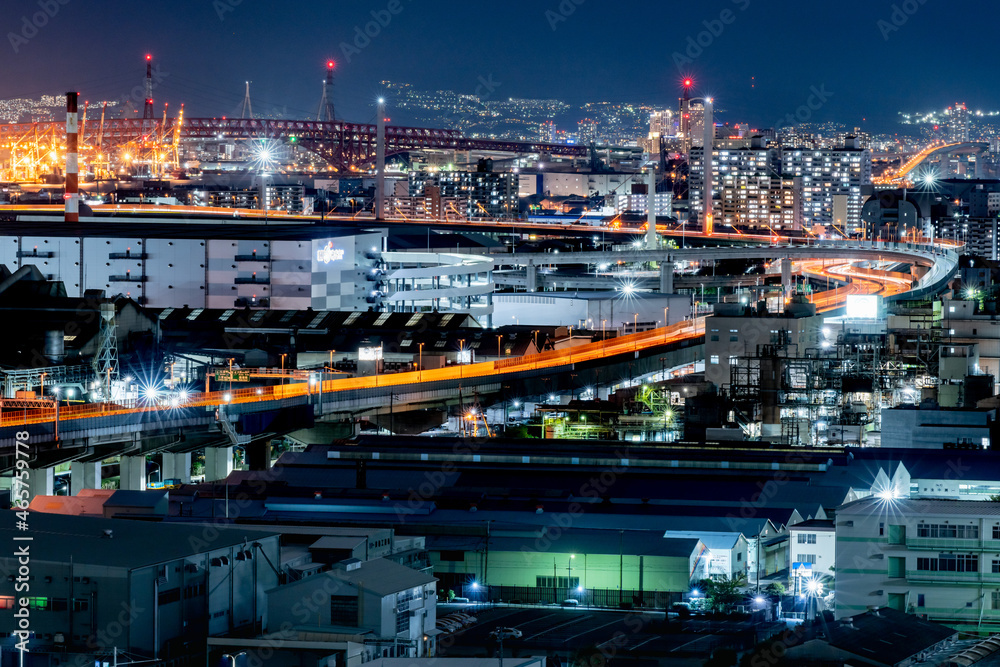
<point x="555" y="630"/>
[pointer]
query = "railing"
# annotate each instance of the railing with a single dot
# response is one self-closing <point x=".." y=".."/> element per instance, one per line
<point x="950" y="577"/>
<point x="942" y="543"/>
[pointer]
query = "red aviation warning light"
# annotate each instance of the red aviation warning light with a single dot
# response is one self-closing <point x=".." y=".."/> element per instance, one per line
<point x="688" y="83"/>
<point x="149" y="57"/>
<point x="331" y="64"/>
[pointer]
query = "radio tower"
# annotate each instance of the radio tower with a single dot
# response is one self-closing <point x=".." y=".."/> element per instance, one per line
<point x="147" y="111"/>
<point x="326" y="103"/>
<point x="247" y="106"/>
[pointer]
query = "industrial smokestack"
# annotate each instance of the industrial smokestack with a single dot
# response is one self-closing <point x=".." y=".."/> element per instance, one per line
<point x="380" y="163"/>
<point x="709" y="226"/>
<point x="72" y="159"/>
<point x="651" y="243"/>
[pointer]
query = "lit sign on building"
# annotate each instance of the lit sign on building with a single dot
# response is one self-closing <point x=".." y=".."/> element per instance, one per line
<point x="369" y="354"/>
<point x="862" y="306"/>
<point x="329" y="254"/>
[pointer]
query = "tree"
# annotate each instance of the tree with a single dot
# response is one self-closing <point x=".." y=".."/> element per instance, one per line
<point x="995" y="498"/>
<point x="726" y="592"/>
<point x="775" y="588"/>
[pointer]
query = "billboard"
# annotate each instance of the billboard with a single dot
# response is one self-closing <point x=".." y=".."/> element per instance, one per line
<point x="863" y="306"/>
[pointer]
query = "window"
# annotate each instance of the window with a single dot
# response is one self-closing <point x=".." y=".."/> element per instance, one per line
<point x="996" y="599"/>
<point x="739" y="557"/>
<point x="958" y="532"/>
<point x="557" y="582"/>
<point x="807" y="538"/>
<point x="734" y="361"/>
<point x="995" y="566"/>
<point x="920" y="600"/>
<point x="807" y="558"/>
<point x="949" y="563"/>
<point x="81" y="604"/>
<point x="453" y="556"/>
<point x="715" y="359"/>
<point x="59" y="604"/>
<point x="881" y="529"/>
<point x="167" y="597"/>
<point x="38" y="603"/>
<point x="344" y="610"/>
<point x="402" y="621"/>
<point x="6" y="601"/>
<point x="996" y="532"/>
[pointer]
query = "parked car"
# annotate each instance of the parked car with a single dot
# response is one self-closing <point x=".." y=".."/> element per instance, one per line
<point x="460" y="600"/>
<point x="571" y="603"/>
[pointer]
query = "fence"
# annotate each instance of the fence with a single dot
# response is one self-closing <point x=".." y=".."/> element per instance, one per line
<point x="591" y="597"/>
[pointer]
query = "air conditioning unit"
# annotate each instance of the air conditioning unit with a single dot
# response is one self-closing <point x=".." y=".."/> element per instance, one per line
<point x="191" y="567"/>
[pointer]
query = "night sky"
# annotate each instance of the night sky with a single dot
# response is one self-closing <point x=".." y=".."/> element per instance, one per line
<point x="600" y="51"/>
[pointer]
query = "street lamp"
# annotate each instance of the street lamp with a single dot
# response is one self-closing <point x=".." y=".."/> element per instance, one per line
<point x="420" y="363"/>
<point x="283" y="355"/>
<point x="159" y="474"/>
<point x="233" y="657"/>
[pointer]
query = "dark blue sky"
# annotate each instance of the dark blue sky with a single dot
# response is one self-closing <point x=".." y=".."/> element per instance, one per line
<point x="614" y="51"/>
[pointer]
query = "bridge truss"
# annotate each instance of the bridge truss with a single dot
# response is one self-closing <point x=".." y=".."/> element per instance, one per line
<point x="345" y="147"/>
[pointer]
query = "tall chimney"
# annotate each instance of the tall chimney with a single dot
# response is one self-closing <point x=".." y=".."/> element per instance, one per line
<point x="651" y="243"/>
<point x="72" y="159"/>
<point x="709" y="226"/>
<point x="380" y="163"/>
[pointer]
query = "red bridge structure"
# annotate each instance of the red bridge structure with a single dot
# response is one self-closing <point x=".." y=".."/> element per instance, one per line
<point x="344" y="146"/>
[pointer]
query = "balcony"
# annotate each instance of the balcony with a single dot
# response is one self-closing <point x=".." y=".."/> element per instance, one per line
<point x="128" y="255"/>
<point x="254" y="280"/>
<point x="35" y="254"/>
<point x="952" y="578"/>
<point x="945" y="543"/>
<point x="253" y="258"/>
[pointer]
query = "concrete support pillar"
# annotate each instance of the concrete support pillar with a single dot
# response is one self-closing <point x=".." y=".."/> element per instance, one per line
<point x="177" y="466"/>
<point x="786" y="275"/>
<point x="531" y="274"/>
<point x="132" y="473"/>
<point x="259" y="454"/>
<point x="667" y="277"/>
<point x="218" y="463"/>
<point x="41" y="482"/>
<point x="84" y="476"/>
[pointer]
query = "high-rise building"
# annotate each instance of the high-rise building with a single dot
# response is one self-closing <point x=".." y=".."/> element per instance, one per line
<point x="661" y="126"/>
<point x="490" y="194"/>
<point x="586" y="131"/>
<point x="832" y="182"/>
<point x="547" y="132"/>
<point x="958" y="124"/>
<point x="732" y="168"/>
<point x="764" y="203"/>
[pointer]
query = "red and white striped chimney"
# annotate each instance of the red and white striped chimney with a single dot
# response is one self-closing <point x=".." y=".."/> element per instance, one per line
<point x="72" y="159"/>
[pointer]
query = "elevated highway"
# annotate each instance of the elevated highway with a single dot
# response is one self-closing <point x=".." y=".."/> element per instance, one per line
<point x="226" y="418"/>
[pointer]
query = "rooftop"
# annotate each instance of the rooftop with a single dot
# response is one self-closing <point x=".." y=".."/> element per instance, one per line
<point x="379" y="576"/>
<point x="57" y="538"/>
